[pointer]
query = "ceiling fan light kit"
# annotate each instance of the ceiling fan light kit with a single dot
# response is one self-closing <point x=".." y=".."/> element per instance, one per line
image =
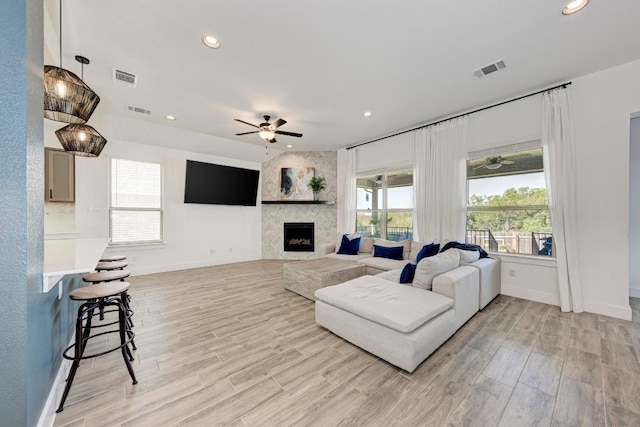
<point x="268" y="131"/>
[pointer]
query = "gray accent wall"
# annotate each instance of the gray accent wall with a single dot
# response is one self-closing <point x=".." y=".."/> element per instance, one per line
<point x="274" y="216"/>
<point x="19" y="260"/>
<point x="33" y="326"/>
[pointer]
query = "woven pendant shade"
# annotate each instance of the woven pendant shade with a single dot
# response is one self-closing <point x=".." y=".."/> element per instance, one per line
<point x="66" y="97"/>
<point x="81" y="140"/>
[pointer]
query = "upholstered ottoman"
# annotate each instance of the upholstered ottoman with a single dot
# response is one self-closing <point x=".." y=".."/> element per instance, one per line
<point x="305" y="277"/>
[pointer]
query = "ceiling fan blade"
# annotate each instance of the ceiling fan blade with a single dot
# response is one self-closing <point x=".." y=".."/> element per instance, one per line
<point x="246" y="133"/>
<point x="246" y="123"/>
<point x="275" y="125"/>
<point x="507" y="162"/>
<point x="479" y="167"/>
<point x="280" y="132"/>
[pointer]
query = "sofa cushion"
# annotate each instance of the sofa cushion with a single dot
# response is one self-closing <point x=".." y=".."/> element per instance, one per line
<point x="406" y="245"/>
<point x="349" y="245"/>
<point x="391" y="275"/>
<point x="467" y="257"/>
<point x="428" y="250"/>
<point x="430" y="267"/>
<point x="366" y="245"/>
<point x="391" y="252"/>
<point x="383" y="263"/>
<point x="399" y="307"/>
<point x="353" y="258"/>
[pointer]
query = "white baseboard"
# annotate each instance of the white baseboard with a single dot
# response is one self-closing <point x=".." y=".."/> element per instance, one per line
<point x="48" y="414"/>
<point x="617" y="311"/>
<point x="531" y="294"/>
<point x="634" y="292"/>
<point x="187" y="265"/>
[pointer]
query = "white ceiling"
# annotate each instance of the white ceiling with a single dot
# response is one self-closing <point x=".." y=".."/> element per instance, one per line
<point x="320" y="65"/>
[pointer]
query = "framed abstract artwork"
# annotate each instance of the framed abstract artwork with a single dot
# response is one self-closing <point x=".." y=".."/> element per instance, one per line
<point x="294" y="183"/>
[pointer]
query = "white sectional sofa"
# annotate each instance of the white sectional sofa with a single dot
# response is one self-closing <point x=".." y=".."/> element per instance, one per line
<point x="399" y="323"/>
<point x="488" y="268"/>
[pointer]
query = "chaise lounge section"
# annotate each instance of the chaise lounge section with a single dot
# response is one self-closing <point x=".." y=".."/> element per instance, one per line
<point x="401" y="323"/>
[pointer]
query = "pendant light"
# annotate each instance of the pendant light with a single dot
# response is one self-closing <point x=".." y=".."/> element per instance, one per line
<point x="81" y="140"/>
<point x="78" y="138"/>
<point x="66" y="97"/>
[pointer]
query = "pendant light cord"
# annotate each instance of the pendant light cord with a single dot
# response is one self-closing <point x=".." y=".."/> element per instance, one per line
<point x="60" y="33"/>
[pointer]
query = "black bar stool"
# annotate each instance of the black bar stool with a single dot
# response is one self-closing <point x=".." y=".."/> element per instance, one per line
<point x="98" y="297"/>
<point x="110" y="276"/>
<point x="111" y="265"/>
<point x="110" y="258"/>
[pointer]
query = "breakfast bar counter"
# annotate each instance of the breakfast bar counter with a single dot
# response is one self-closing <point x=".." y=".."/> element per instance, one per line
<point x="70" y="256"/>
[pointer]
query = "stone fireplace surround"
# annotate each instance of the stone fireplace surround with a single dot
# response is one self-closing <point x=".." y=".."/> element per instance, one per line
<point x="274" y="216"/>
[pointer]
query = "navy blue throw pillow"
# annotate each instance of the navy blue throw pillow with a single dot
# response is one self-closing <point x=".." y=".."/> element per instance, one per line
<point x="349" y="247"/>
<point x="408" y="272"/>
<point x="391" y="252"/>
<point x="428" y="250"/>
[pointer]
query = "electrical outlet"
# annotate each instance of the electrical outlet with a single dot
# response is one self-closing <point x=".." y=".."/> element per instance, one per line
<point x="212" y="251"/>
<point x="230" y="249"/>
<point x="512" y="272"/>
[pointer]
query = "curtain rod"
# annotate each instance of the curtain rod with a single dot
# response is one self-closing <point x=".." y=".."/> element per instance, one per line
<point x="563" y="85"/>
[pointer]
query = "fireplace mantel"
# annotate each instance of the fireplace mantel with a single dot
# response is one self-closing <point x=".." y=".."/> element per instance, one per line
<point x="298" y="202"/>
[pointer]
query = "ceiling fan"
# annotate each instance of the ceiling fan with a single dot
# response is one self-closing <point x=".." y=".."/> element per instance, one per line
<point x="495" y="162"/>
<point x="268" y="131"/>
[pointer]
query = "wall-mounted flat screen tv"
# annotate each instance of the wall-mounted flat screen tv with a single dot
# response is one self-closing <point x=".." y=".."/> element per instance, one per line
<point x="206" y="183"/>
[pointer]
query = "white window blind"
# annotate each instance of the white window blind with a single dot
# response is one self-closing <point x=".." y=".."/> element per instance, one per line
<point x="136" y="202"/>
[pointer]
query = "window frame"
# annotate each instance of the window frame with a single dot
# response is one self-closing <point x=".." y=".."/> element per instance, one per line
<point x="136" y="209"/>
<point x="384" y="211"/>
<point x="505" y="151"/>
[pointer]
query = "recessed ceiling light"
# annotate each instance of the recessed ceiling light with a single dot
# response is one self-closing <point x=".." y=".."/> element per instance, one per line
<point x="211" y="42"/>
<point x="289" y="146"/>
<point x="574" y="6"/>
<point x="171" y="118"/>
<point x="367" y="114"/>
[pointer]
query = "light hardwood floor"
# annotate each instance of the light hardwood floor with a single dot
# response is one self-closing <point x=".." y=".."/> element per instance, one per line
<point x="227" y="345"/>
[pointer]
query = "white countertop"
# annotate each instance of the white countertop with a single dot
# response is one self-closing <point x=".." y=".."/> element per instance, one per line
<point x="70" y="256"/>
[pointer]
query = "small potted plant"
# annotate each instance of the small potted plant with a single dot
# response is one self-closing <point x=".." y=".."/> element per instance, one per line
<point x="316" y="184"/>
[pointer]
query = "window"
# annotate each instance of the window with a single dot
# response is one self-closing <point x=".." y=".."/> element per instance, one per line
<point x="385" y="205"/>
<point x="135" y="214"/>
<point x="507" y="208"/>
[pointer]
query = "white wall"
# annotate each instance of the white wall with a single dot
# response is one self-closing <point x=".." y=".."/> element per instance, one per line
<point x="190" y="231"/>
<point x="634" y="209"/>
<point x="603" y="104"/>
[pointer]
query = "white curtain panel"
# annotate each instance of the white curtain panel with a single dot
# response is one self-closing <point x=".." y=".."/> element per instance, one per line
<point x="347" y="192"/>
<point x="439" y="180"/>
<point x="558" y="151"/>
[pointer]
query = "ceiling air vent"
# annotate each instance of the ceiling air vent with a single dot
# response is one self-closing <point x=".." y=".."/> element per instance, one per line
<point x="139" y="110"/>
<point x="491" y="68"/>
<point x="124" y="77"/>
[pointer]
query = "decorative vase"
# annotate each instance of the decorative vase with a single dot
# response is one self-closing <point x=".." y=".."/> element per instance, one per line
<point x="316" y="195"/>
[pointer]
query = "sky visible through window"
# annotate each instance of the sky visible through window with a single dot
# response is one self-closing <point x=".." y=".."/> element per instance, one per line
<point x="496" y="186"/>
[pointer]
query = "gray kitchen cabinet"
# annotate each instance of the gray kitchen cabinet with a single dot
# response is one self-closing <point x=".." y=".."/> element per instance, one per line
<point x="59" y="172"/>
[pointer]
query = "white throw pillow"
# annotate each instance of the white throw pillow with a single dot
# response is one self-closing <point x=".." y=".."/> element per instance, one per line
<point x="430" y="267"/>
<point x="467" y="257"/>
<point x="366" y="245"/>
